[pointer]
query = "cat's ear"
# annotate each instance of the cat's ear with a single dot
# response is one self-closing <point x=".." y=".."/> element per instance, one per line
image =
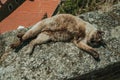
<point x="100" y="33"/>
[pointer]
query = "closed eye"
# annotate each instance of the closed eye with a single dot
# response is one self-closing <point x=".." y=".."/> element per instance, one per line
<point x="92" y="41"/>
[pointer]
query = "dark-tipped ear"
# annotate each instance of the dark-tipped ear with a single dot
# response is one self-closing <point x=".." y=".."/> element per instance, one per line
<point x="100" y="32"/>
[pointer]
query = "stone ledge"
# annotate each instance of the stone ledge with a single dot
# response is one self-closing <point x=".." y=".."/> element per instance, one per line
<point x="110" y="72"/>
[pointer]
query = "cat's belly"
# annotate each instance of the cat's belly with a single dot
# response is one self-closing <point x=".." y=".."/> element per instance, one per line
<point x="60" y="35"/>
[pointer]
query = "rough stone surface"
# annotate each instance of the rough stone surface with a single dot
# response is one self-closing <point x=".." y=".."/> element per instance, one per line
<point x="62" y="61"/>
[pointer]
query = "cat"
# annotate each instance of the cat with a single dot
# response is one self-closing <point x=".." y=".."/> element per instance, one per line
<point x="64" y="28"/>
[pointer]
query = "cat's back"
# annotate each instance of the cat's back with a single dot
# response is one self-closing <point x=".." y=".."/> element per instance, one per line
<point x="60" y="21"/>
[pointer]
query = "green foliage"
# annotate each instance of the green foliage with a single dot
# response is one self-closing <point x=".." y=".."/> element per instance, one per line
<point x="73" y="6"/>
<point x="70" y="6"/>
<point x="80" y="6"/>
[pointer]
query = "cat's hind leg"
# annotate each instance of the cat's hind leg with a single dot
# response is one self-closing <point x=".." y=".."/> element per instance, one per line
<point x="41" y="38"/>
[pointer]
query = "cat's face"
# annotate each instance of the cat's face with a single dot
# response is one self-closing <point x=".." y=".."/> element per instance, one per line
<point x="96" y="39"/>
